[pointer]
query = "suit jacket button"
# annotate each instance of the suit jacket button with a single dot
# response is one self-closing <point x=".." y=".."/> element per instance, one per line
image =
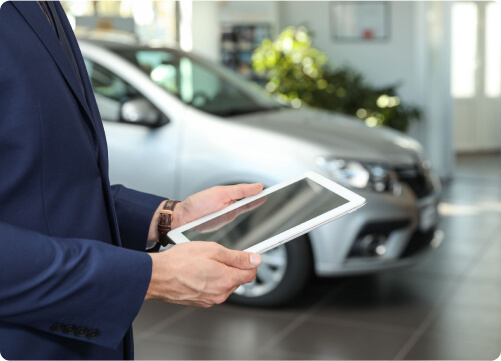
<point x="82" y="331"/>
<point x="93" y="334"/>
<point x="57" y="327"/>
<point x="70" y="329"/>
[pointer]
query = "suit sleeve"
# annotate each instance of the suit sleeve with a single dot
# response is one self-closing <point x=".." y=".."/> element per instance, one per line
<point x="134" y="213"/>
<point x="46" y="281"/>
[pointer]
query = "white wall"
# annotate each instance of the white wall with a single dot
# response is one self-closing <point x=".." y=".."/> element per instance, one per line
<point x="381" y="62"/>
<point x="242" y="12"/>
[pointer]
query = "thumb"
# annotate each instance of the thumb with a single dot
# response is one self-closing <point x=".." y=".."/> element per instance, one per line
<point x="240" y="191"/>
<point x="239" y="259"/>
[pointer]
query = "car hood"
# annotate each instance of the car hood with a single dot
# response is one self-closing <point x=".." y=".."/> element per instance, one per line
<point x="341" y="135"/>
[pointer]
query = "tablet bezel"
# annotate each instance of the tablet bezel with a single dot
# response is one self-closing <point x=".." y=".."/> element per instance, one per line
<point x="354" y="202"/>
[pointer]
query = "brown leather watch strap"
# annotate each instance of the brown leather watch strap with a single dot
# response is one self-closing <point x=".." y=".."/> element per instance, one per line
<point x="165" y="222"/>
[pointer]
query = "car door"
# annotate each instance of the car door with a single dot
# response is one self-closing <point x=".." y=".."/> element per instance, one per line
<point x="142" y="156"/>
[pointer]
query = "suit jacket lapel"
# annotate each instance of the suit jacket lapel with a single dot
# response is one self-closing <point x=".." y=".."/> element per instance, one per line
<point x="98" y="124"/>
<point x="87" y="87"/>
<point x="32" y="13"/>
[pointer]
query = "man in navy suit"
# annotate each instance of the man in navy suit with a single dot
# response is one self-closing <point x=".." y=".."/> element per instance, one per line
<point x="73" y="271"/>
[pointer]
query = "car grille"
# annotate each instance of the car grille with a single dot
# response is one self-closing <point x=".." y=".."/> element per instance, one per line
<point x="417" y="178"/>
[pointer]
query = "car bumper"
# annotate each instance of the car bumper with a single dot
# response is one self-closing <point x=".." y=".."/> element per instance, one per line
<point x="408" y="227"/>
<point x="364" y="266"/>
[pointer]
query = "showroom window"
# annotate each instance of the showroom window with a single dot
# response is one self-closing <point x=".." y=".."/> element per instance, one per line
<point x="464" y="49"/>
<point x="492" y="50"/>
<point x="126" y="20"/>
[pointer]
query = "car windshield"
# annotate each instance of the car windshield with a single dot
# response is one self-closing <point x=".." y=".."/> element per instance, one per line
<point x="205" y="86"/>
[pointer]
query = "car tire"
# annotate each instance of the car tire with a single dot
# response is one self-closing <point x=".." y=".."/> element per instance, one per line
<point x="298" y="269"/>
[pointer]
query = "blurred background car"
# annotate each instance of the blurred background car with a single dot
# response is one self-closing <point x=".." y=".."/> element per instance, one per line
<point x="177" y="124"/>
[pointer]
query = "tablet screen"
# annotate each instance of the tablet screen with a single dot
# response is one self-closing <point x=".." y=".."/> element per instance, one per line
<point x="268" y="216"/>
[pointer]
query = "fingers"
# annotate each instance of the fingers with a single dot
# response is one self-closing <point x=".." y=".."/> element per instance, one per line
<point x="216" y="223"/>
<point x="226" y="218"/>
<point x="238" y="277"/>
<point x="243" y="277"/>
<point x="250" y="206"/>
<point x="240" y="191"/>
<point x="200" y="273"/>
<point x="237" y="259"/>
<point x="212" y="200"/>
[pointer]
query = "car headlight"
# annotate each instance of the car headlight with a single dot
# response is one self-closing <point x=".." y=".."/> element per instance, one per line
<point x="363" y="175"/>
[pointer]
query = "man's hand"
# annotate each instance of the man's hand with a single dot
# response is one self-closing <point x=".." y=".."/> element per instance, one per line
<point x="200" y="273"/>
<point x="228" y="217"/>
<point x="211" y="200"/>
<point x="203" y="203"/>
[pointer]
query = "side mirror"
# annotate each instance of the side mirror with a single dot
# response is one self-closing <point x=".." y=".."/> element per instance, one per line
<point x="141" y="111"/>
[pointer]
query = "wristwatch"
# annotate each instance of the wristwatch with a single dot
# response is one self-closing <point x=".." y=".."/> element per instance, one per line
<point x="165" y="221"/>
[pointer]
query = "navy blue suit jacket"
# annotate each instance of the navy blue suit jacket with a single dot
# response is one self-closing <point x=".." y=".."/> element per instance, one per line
<point x="69" y="242"/>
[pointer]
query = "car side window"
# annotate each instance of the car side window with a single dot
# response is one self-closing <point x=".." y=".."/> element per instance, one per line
<point x="210" y="92"/>
<point x="162" y="67"/>
<point x="110" y="91"/>
<point x="190" y="81"/>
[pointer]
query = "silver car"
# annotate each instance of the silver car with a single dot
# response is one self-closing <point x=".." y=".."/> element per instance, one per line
<point x="177" y="124"/>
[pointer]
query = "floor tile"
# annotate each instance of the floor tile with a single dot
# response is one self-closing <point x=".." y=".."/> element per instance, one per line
<point x="240" y="330"/>
<point x="488" y="268"/>
<point x="153" y="312"/>
<point x="342" y="342"/>
<point x="279" y="312"/>
<point x="464" y="246"/>
<point x="446" y="347"/>
<point x="389" y="299"/>
<point x="468" y="321"/>
<point x="456" y="249"/>
<point x="493" y="252"/>
<point x="440" y="266"/>
<point x="478" y="294"/>
<point x="175" y="350"/>
<point x="316" y="289"/>
<point x="284" y="355"/>
<point x="470" y="229"/>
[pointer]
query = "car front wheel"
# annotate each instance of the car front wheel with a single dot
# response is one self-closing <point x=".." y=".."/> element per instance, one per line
<point x="283" y="273"/>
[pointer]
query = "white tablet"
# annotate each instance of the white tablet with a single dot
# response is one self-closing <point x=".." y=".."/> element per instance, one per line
<point x="274" y="216"/>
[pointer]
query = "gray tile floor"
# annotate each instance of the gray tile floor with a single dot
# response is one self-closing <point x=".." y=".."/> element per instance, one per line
<point x="446" y="307"/>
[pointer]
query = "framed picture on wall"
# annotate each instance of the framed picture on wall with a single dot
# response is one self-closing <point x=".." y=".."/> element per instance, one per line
<point x="360" y="21"/>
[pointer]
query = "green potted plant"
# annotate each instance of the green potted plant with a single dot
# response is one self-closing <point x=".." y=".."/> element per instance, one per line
<point x="297" y="73"/>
